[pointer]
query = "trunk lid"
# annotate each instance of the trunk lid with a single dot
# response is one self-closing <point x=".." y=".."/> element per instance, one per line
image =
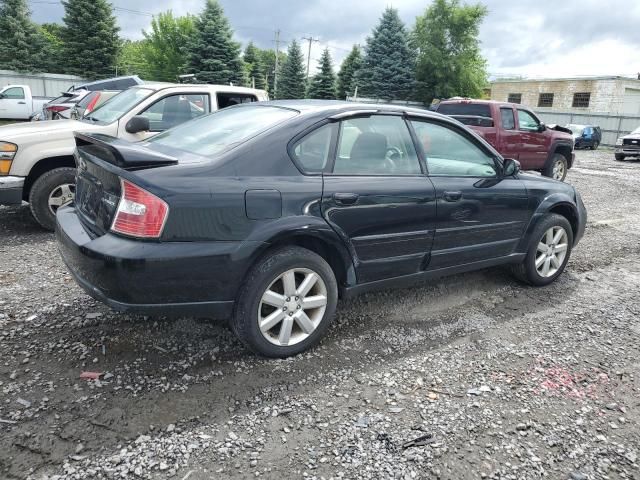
<point x="101" y="162"/>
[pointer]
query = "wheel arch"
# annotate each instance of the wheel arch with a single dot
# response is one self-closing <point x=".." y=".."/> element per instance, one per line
<point x="45" y="165"/>
<point x="320" y="239"/>
<point x="563" y="149"/>
<point x="559" y="204"/>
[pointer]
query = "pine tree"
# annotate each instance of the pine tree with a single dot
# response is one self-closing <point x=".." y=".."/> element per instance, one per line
<point x="388" y="66"/>
<point x="449" y="59"/>
<point x="90" y="38"/>
<point x="291" y="77"/>
<point x="253" y="63"/>
<point x="213" y="55"/>
<point x="19" y="38"/>
<point x="351" y="64"/>
<point x="323" y="85"/>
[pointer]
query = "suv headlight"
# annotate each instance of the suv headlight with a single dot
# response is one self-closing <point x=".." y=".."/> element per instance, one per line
<point x="7" y="152"/>
<point x="619" y="141"/>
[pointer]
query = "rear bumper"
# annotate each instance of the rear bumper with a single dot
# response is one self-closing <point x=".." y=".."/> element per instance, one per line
<point x="11" y="190"/>
<point x="171" y="278"/>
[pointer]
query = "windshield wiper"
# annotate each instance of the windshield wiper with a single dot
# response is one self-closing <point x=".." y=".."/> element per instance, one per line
<point x="90" y="118"/>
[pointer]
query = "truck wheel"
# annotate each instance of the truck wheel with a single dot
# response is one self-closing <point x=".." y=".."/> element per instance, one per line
<point x="52" y="190"/>
<point x="548" y="252"/>
<point x="619" y="157"/>
<point x="286" y="303"/>
<point x="557" y="168"/>
<point x="595" y="146"/>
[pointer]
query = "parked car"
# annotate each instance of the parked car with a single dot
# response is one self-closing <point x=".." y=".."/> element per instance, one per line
<point x="39" y="165"/>
<point x="628" y="145"/>
<point x="267" y="213"/>
<point x="586" y="136"/>
<point x="17" y="102"/>
<point x="90" y="102"/>
<point x="116" y="83"/>
<point x="60" y="107"/>
<point x="516" y="132"/>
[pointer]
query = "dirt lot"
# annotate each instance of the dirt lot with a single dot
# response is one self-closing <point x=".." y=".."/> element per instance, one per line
<point x="493" y="379"/>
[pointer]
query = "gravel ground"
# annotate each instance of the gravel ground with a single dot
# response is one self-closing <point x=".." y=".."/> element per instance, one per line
<point x="472" y="376"/>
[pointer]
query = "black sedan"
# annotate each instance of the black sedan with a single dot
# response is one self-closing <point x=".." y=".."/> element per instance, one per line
<point x="267" y="213"/>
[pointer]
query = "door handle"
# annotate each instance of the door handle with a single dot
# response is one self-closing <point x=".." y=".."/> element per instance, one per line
<point x="345" y="198"/>
<point x="22" y="103"/>
<point x="452" y="196"/>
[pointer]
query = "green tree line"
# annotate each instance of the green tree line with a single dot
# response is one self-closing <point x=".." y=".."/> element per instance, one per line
<point x="439" y="57"/>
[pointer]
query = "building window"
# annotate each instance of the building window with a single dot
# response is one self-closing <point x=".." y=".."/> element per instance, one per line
<point x="545" y="100"/>
<point x="581" y="100"/>
<point x="515" y="98"/>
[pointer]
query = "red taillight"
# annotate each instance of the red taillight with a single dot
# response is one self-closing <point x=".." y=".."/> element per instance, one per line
<point x="92" y="104"/>
<point x="140" y="213"/>
<point x="57" y="108"/>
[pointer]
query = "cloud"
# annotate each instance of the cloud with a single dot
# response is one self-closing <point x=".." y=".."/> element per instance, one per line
<point x="526" y="37"/>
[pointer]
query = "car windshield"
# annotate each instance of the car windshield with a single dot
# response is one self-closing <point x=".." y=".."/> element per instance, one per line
<point x="576" y="129"/>
<point x="211" y="134"/>
<point x="114" y="108"/>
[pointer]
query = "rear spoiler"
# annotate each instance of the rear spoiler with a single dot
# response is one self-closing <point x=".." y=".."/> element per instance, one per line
<point x="121" y="153"/>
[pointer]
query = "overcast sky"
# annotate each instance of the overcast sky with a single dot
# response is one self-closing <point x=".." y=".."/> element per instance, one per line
<point x="535" y="38"/>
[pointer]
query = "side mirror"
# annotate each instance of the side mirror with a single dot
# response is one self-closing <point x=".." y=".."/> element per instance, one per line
<point x="510" y="167"/>
<point x="138" y="124"/>
<point x="1" y="96"/>
<point x="542" y="127"/>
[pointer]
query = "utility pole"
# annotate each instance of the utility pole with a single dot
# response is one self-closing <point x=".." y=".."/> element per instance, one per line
<point x="275" y="73"/>
<point x="310" y="39"/>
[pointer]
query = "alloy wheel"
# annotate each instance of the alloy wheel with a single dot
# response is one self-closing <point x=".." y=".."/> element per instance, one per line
<point x="60" y="196"/>
<point x="292" y="307"/>
<point x="558" y="170"/>
<point x="551" y="251"/>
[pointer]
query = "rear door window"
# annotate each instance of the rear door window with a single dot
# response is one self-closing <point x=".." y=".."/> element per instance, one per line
<point x="376" y="145"/>
<point x="229" y="99"/>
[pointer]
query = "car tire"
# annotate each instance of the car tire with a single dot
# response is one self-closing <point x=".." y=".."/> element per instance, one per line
<point x="263" y="326"/>
<point x="619" y="157"/>
<point x="51" y="185"/>
<point x="531" y="271"/>
<point x="595" y="146"/>
<point x="557" y="167"/>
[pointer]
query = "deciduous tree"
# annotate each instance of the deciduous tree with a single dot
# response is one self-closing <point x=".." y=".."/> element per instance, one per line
<point x="253" y="64"/>
<point x="449" y="59"/>
<point x="166" y="46"/>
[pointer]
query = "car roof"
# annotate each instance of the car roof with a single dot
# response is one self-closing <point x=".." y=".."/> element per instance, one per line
<point x="225" y="88"/>
<point x="482" y="102"/>
<point x="338" y="106"/>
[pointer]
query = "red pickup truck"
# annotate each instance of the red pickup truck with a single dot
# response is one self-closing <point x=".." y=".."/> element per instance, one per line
<point x="515" y="132"/>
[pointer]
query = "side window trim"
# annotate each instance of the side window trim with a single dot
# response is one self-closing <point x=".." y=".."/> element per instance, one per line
<point x="513" y="117"/>
<point x="306" y="133"/>
<point x="461" y="131"/>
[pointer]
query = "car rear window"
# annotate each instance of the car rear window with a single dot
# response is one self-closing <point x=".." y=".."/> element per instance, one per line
<point x="471" y="109"/>
<point x="212" y="134"/>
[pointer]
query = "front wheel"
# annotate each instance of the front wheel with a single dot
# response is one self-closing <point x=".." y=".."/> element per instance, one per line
<point x="619" y="157"/>
<point x="286" y="303"/>
<point x="52" y="190"/>
<point x="557" y="168"/>
<point x="595" y="146"/>
<point x="548" y="253"/>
